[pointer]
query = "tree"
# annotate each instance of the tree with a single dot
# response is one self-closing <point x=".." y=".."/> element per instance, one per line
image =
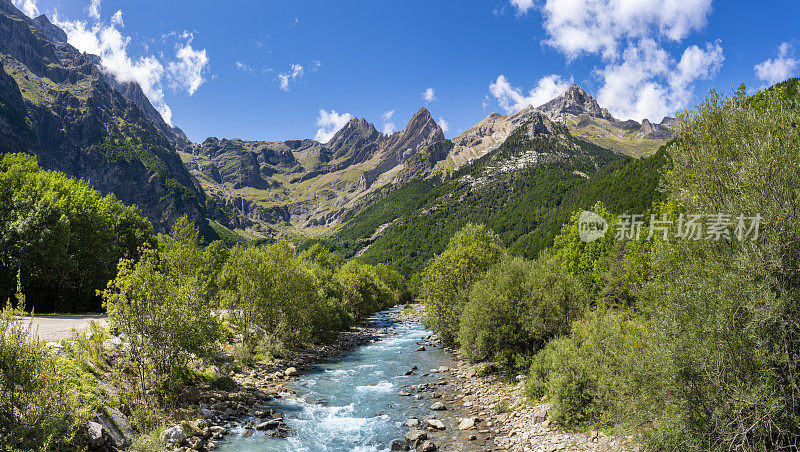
<point x="448" y="279"/>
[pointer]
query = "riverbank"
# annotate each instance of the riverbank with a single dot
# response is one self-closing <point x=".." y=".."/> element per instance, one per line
<point x="486" y="412"/>
<point x="458" y="408"/>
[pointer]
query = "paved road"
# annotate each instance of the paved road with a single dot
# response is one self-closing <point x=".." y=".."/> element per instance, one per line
<point x="57" y="327"/>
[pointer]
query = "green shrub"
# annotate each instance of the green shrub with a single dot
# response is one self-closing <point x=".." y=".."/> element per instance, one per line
<point x="516" y="307"/>
<point x="448" y="279"/>
<point x="587" y="376"/>
<point x="159" y="304"/>
<point x="38" y="410"/>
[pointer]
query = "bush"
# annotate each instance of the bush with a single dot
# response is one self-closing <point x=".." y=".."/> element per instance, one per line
<point x="448" y="279"/>
<point x="516" y="307"/>
<point x="587" y="375"/>
<point x="158" y="303"/>
<point x="269" y="291"/>
<point x="725" y="312"/>
<point x="37" y="406"/>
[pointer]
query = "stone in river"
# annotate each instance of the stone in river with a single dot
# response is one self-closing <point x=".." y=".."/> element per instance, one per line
<point x="438" y="406"/>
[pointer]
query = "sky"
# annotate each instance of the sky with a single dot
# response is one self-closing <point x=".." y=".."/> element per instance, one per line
<point x="278" y="70"/>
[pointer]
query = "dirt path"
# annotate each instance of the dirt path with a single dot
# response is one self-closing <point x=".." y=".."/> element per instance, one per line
<point x="57" y="327"/>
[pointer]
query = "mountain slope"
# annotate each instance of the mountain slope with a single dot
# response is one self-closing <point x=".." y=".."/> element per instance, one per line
<point x="304" y="185"/>
<point x="515" y="189"/>
<point x="86" y="128"/>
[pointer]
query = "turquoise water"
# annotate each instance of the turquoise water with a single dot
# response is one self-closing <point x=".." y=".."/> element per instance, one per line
<point x="362" y="410"/>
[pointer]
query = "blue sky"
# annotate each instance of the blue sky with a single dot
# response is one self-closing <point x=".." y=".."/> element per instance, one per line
<point x="232" y="69"/>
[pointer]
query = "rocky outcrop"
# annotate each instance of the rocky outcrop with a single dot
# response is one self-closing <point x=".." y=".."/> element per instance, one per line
<point x="16" y="131"/>
<point x="356" y="142"/>
<point x="650" y="130"/>
<point x="574" y="102"/>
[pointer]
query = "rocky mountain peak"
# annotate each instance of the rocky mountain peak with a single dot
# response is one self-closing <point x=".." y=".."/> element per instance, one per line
<point x="356" y="141"/>
<point x="421" y="131"/>
<point x="53" y="33"/>
<point x="573" y="102"/>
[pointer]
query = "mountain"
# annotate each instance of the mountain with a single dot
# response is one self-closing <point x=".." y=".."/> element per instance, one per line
<point x="523" y="189"/>
<point x="292" y="185"/>
<point x="577" y="110"/>
<point x="58" y="105"/>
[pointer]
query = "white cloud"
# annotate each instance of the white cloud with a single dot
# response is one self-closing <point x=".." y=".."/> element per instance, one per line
<point x="649" y="83"/>
<point x="388" y="126"/>
<point x="329" y="122"/>
<point x="778" y="69"/>
<point x="94" y="9"/>
<point x="242" y="67"/>
<point x="598" y="26"/>
<point x="295" y="72"/>
<point x="187" y="72"/>
<point x="429" y="95"/>
<point x="116" y="19"/>
<point x="512" y="99"/>
<point x="444" y="124"/>
<point x="108" y="43"/>
<point x="522" y="6"/>
<point x="639" y="77"/>
<point x="28" y="7"/>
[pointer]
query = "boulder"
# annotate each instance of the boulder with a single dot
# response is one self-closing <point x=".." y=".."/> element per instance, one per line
<point x="189" y="396"/>
<point x="290" y="372"/>
<point x="95" y="438"/>
<point x="426" y="446"/>
<point x="539" y="416"/>
<point x="413" y="422"/>
<point x="435" y="424"/>
<point x="270" y="424"/>
<point x="415" y="436"/>
<point x="173" y="435"/>
<point x="117" y="427"/>
<point x="467" y="423"/>
<point x="399" y="444"/>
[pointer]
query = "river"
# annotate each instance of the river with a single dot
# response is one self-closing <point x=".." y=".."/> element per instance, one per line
<point x="352" y="403"/>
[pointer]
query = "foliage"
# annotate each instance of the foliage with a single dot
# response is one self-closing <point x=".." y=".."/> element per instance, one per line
<point x="516" y="307"/>
<point x="62" y="235"/>
<point x="38" y="410"/>
<point x="159" y="304"/>
<point x="448" y="279"/>
<point x="586" y="375"/>
<point x="725" y="312"/>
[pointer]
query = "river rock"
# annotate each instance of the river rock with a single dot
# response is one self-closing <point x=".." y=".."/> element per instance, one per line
<point x="426" y="446"/>
<point x="195" y="443"/>
<point x="173" y="435"/>
<point x="413" y="422"/>
<point x="269" y="425"/>
<point x="290" y="372"/>
<point x="539" y="416"/>
<point x="467" y="423"/>
<point x="435" y="424"/>
<point x="399" y="444"/>
<point x="438" y="406"/>
<point x="421" y="348"/>
<point x="415" y="436"/>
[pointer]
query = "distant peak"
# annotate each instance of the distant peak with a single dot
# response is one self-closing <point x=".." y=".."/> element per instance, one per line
<point x="422" y="113"/>
<point x="574" y="101"/>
